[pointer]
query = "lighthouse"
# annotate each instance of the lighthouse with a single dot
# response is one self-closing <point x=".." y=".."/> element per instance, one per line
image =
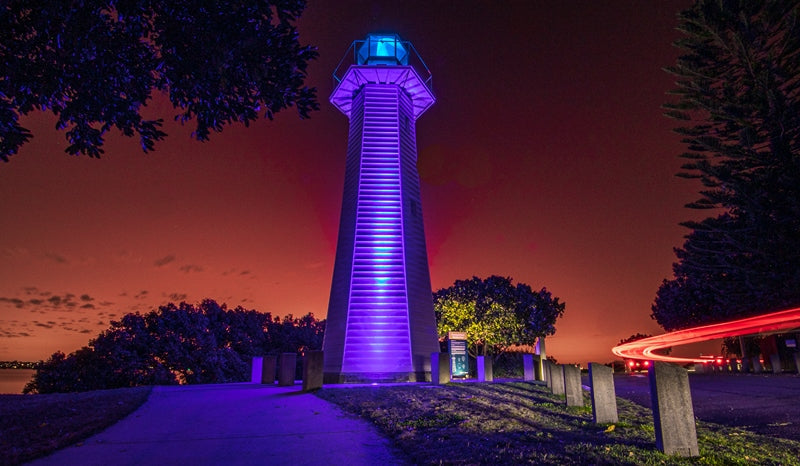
<point x="380" y="325"/>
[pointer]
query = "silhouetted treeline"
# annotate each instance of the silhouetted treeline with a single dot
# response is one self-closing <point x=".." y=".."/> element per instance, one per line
<point x="192" y="344"/>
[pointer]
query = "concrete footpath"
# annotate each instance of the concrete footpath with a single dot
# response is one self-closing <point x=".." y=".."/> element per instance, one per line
<point x="232" y="424"/>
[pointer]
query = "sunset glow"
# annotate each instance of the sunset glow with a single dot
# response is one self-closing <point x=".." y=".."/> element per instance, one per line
<point x="546" y="158"/>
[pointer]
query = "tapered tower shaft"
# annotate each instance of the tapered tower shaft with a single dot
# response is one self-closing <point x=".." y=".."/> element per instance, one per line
<point x="380" y="324"/>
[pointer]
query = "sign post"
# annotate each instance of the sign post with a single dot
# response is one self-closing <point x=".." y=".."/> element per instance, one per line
<point x="459" y="360"/>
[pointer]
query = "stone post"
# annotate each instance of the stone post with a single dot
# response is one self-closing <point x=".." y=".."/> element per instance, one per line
<point x="775" y="362"/>
<point x="745" y="358"/>
<point x="734" y="364"/>
<point x="255" y="370"/>
<point x="673" y="415"/>
<point x="538" y="369"/>
<point x="440" y="368"/>
<point x="572" y="385"/>
<point x="312" y="370"/>
<point x="268" y="370"/>
<point x="548" y="373"/>
<point x="757" y="367"/>
<point x="746" y="365"/>
<point x="527" y="368"/>
<point x="287" y="369"/>
<point x="558" y="379"/>
<point x="604" y="396"/>
<point x="485" y="373"/>
<point x="542" y="353"/>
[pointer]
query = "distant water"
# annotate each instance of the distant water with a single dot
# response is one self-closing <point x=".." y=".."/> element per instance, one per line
<point x="14" y="380"/>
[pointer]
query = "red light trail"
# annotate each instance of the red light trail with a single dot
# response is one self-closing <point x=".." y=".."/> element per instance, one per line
<point x="644" y="348"/>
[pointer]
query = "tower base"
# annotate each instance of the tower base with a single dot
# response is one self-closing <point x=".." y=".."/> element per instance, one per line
<point x="382" y="377"/>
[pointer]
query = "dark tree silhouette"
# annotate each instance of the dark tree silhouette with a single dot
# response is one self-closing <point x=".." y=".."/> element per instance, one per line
<point x="204" y="343"/>
<point x="495" y="313"/>
<point x="96" y="63"/>
<point x="738" y="89"/>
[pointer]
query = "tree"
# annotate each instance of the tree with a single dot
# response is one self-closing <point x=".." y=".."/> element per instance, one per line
<point x="185" y="343"/>
<point x="738" y="98"/>
<point x="495" y="314"/>
<point x="96" y="63"/>
<point x="634" y="337"/>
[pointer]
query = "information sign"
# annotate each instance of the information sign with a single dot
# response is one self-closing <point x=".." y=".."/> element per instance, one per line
<point x="459" y="360"/>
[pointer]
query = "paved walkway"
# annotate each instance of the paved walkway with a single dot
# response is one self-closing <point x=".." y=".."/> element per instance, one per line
<point x="232" y="424"/>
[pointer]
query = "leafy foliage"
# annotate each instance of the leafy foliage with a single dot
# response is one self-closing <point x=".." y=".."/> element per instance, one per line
<point x="495" y="314"/>
<point x="207" y="343"/>
<point x="95" y="64"/>
<point x="634" y="337"/>
<point x="738" y="89"/>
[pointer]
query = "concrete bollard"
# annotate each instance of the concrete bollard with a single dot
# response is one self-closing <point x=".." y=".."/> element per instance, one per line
<point x="287" y="369"/>
<point x="797" y="362"/>
<point x="734" y="365"/>
<point x="746" y="364"/>
<point x="757" y="367"/>
<point x="485" y="373"/>
<point x="558" y="379"/>
<point x="255" y="370"/>
<point x="548" y="374"/>
<point x="538" y="369"/>
<point x="572" y="385"/>
<point x="673" y="415"/>
<point x="268" y="368"/>
<point x="312" y="370"/>
<point x="541" y="354"/>
<point x="440" y="368"/>
<point x="775" y="362"/>
<point x="604" y="396"/>
<point x="527" y="368"/>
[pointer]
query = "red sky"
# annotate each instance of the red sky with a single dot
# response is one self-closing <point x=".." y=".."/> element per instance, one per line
<point x="546" y="158"/>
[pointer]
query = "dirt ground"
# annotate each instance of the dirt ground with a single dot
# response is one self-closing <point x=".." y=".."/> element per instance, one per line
<point x="763" y="403"/>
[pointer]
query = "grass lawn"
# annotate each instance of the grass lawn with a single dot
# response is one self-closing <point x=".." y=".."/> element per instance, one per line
<point x="35" y="425"/>
<point x="517" y="422"/>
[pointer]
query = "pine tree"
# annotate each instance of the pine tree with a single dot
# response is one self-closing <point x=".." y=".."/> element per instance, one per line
<point x="738" y="98"/>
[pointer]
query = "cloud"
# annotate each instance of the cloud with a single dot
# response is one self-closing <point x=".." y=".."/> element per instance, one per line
<point x="58" y="259"/>
<point x="43" y="324"/>
<point x="177" y="296"/>
<point x="141" y="295"/>
<point x="244" y="272"/>
<point x="18" y="303"/>
<point x="40" y="301"/>
<point x="164" y="260"/>
<point x="127" y="257"/>
<point x="16" y="252"/>
<point x="31" y="290"/>
<point x="10" y="334"/>
<point x="188" y="268"/>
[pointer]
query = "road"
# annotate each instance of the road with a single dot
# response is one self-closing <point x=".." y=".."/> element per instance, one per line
<point x="763" y="403"/>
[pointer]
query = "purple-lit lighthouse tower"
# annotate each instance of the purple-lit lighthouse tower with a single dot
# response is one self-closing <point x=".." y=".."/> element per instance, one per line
<point x="381" y="325"/>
